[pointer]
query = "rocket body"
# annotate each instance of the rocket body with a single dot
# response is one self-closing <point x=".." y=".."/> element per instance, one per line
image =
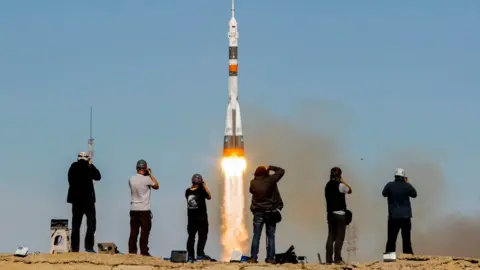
<point x="233" y="138"/>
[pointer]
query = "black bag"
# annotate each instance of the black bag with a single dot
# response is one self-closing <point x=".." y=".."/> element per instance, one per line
<point x="348" y="217"/>
<point x="288" y="257"/>
<point x="178" y="256"/>
<point x="274" y="216"/>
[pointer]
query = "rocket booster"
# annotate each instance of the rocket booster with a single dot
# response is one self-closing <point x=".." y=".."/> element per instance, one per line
<point x="233" y="139"/>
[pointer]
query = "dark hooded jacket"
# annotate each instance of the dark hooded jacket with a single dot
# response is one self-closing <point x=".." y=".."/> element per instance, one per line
<point x="80" y="176"/>
<point x="398" y="194"/>
<point x="265" y="193"/>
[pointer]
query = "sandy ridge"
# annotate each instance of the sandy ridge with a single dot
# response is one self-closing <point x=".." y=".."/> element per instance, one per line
<point x="82" y="261"/>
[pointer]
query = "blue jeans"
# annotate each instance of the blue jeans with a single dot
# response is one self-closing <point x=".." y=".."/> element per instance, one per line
<point x="259" y="219"/>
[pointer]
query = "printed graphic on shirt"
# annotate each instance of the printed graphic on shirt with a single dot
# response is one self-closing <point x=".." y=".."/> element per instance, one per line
<point x="192" y="202"/>
<point x="196" y="201"/>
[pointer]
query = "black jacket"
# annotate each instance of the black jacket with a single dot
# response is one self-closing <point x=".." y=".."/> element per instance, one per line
<point x="265" y="193"/>
<point x="398" y="194"/>
<point x="80" y="176"/>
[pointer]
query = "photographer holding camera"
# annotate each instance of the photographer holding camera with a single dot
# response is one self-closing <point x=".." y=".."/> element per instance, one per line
<point x="140" y="212"/>
<point x="196" y="196"/>
<point x="398" y="193"/>
<point x="266" y="206"/>
<point x="338" y="216"/>
<point x="81" y="194"/>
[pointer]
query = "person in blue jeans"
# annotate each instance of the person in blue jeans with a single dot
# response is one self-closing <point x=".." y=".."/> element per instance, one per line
<point x="266" y="206"/>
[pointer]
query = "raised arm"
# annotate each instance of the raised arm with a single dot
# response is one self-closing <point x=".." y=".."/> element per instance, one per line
<point x="385" y="191"/>
<point x="154" y="180"/>
<point x="95" y="173"/>
<point x="71" y="176"/>
<point x="278" y="173"/>
<point x="344" y="187"/>
<point x="412" y="191"/>
<point x="208" y="194"/>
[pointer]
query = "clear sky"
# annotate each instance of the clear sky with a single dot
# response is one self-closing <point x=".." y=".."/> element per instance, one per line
<point x="156" y="74"/>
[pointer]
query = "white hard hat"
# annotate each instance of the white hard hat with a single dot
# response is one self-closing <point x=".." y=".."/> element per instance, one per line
<point x="400" y="172"/>
<point x="83" y="155"/>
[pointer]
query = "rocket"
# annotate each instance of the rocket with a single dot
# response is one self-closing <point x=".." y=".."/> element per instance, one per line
<point x="233" y="139"/>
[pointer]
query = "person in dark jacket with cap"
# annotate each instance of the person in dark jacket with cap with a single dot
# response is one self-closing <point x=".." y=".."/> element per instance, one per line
<point x="335" y="191"/>
<point x="266" y="206"/>
<point x="81" y="194"/>
<point x="196" y="196"/>
<point x="398" y="193"/>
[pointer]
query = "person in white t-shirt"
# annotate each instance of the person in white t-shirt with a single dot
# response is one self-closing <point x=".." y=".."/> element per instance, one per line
<point x="141" y="186"/>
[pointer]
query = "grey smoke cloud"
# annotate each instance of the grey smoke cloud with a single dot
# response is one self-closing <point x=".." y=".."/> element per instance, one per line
<point x="307" y="144"/>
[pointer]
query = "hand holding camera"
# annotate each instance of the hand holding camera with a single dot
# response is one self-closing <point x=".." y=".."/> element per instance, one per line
<point x="147" y="172"/>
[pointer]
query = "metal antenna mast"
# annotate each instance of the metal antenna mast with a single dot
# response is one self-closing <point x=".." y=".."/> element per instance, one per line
<point x="90" y="153"/>
<point x="90" y="140"/>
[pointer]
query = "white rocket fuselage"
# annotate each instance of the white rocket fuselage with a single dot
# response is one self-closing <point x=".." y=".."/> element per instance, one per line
<point x="233" y="139"/>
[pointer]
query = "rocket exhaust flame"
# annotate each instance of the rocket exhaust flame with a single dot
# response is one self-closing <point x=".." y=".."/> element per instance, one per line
<point x="234" y="166"/>
<point x="234" y="232"/>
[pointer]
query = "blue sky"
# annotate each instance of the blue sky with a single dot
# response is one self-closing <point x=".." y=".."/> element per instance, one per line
<point x="156" y="73"/>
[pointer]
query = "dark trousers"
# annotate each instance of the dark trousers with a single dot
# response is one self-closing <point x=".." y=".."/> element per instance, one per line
<point x="78" y="210"/>
<point x="139" y="220"/>
<point x="260" y="219"/>
<point x="337" y="227"/>
<point x="197" y="224"/>
<point x="394" y="226"/>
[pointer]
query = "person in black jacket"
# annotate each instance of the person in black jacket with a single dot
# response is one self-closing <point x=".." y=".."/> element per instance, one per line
<point x="266" y="206"/>
<point x="398" y="194"/>
<point x="335" y="191"/>
<point x="81" y="194"/>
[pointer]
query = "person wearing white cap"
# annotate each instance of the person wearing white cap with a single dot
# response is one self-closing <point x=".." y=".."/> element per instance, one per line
<point x="398" y="194"/>
<point x="81" y="194"/>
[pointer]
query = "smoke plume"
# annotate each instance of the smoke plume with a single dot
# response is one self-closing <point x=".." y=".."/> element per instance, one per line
<point x="307" y="145"/>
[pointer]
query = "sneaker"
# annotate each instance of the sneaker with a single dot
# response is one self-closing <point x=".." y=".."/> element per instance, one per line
<point x="90" y="251"/>
<point x="270" y="260"/>
<point x="340" y="262"/>
<point x="252" y="260"/>
<point x="191" y="260"/>
<point x="146" y="254"/>
<point x="204" y="258"/>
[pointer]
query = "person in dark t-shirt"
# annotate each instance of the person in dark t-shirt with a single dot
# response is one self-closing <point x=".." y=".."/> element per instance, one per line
<point x="196" y="197"/>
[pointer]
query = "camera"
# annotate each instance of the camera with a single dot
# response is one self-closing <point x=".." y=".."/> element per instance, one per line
<point x="147" y="172"/>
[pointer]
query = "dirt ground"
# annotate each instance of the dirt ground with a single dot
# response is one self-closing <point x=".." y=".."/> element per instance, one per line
<point x="85" y="261"/>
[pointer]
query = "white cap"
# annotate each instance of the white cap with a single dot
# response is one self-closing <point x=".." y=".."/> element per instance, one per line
<point x="400" y="172"/>
<point x="83" y="155"/>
